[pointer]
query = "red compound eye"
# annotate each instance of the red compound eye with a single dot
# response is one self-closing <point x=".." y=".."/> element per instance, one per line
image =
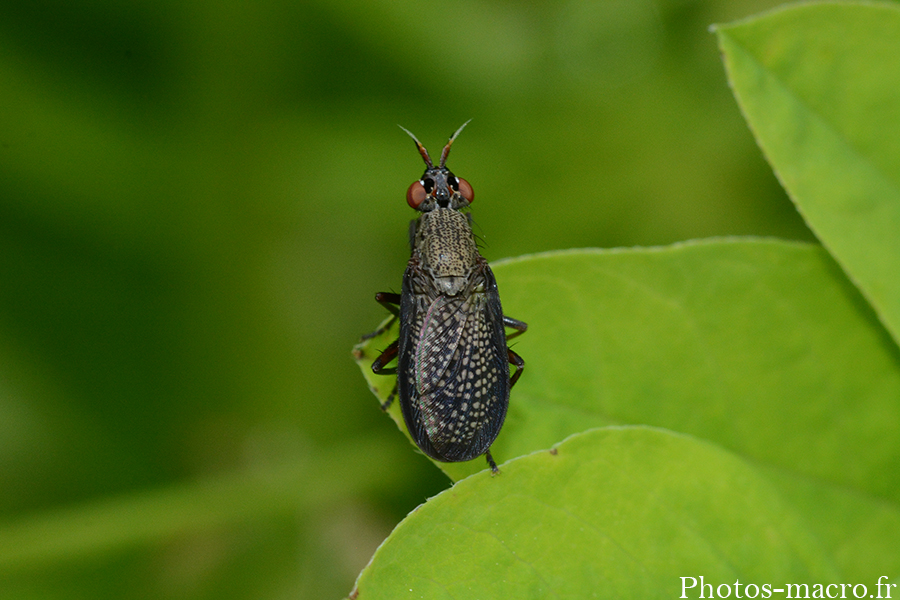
<point x="416" y="194"/>
<point x="466" y="190"/>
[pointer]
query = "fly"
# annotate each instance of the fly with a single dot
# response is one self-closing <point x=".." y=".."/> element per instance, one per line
<point x="453" y="364"/>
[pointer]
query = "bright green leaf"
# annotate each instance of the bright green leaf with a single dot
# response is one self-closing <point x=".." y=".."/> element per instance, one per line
<point x="760" y="346"/>
<point x="819" y="85"/>
<point x="610" y="513"/>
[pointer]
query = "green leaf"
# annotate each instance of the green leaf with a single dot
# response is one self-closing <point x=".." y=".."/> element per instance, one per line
<point x="715" y="339"/>
<point x="819" y="85"/>
<point x="759" y="346"/>
<point x="610" y="513"/>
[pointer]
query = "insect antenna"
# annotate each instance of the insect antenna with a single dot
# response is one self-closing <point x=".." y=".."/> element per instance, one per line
<point x="421" y="148"/>
<point x="446" y="151"/>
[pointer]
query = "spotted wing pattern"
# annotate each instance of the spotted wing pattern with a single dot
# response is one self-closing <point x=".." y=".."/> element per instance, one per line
<point x="454" y="371"/>
<point x="439" y="335"/>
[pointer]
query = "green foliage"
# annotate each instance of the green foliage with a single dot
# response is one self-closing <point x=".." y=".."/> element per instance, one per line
<point x="819" y="88"/>
<point x="563" y="524"/>
<point x="773" y="368"/>
<point x="197" y="202"/>
<point x="760" y="347"/>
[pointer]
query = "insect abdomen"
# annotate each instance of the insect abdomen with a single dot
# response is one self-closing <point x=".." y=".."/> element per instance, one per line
<point x="453" y="369"/>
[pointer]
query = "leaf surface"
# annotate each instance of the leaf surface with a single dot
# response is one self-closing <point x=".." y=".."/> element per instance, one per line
<point x="819" y="85"/>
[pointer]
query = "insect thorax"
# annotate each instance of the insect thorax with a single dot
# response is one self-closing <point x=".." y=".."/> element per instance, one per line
<point x="446" y="249"/>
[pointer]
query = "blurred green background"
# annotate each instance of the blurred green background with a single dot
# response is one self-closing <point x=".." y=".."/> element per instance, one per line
<point x="199" y="200"/>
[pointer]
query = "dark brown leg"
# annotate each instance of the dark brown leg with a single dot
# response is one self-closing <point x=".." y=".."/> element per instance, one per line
<point x="389" y="354"/>
<point x="519" y="326"/>
<point x="491" y="463"/>
<point x="391" y="302"/>
<point x="516" y="361"/>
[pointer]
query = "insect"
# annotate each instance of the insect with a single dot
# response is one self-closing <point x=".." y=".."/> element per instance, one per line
<point x="453" y="364"/>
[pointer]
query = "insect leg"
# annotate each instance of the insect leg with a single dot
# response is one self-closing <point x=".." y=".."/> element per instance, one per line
<point x="387" y="403"/>
<point x="389" y="354"/>
<point x="491" y="463"/>
<point x="519" y="326"/>
<point x="391" y="302"/>
<point x="515" y="360"/>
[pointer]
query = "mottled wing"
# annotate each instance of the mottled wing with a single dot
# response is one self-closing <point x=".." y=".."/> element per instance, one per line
<point x="438" y="341"/>
<point x="456" y="385"/>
